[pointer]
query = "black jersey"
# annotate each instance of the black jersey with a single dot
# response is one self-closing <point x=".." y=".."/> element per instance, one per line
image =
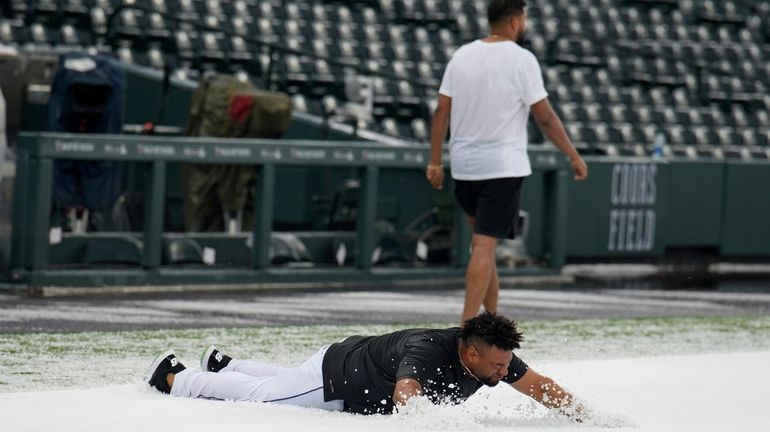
<point x="363" y="370"/>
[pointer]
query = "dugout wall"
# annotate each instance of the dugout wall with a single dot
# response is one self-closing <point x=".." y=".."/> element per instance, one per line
<point x="645" y="209"/>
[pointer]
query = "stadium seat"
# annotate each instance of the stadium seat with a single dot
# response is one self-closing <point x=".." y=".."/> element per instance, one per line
<point x="617" y="69"/>
<point x="390" y="127"/>
<point x="155" y="58"/>
<point x="159" y="5"/>
<point x="76" y="13"/>
<point x="188" y="10"/>
<point x="187" y="46"/>
<point x="130" y="26"/>
<point x="763" y="138"/>
<point x="98" y="22"/>
<point x="330" y="105"/>
<point x="763" y="119"/>
<point x="42" y="36"/>
<point x="125" y="55"/>
<point x="158" y="30"/>
<point x="44" y="12"/>
<point x="420" y="130"/>
<point x="13" y="33"/>
<point x="74" y="38"/>
<point x="214" y="51"/>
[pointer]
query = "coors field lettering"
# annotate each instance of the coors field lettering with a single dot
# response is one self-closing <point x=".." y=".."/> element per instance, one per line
<point x="633" y="196"/>
<point x="634" y="184"/>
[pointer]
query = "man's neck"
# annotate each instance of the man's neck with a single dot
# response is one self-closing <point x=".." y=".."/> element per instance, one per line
<point x="500" y="33"/>
<point x="494" y="38"/>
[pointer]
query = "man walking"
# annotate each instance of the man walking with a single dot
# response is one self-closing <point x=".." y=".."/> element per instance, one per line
<point x="374" y="374"/>
<point x="489" y="87"/>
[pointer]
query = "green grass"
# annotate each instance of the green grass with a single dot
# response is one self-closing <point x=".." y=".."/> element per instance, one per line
<point x="42" y="361"/>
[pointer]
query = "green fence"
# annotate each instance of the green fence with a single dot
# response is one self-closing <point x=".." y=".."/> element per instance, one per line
<point x="381" y="170"/>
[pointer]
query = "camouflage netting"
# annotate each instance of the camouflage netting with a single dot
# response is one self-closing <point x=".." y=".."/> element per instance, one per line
<point x="224" y="107"/>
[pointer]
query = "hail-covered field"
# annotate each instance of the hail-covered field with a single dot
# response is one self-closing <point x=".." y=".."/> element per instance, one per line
<point x="676" y="374"/>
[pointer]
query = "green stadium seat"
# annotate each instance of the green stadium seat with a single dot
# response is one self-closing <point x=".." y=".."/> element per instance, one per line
<point x="420" y="131"/>
<point x="13" y="33"/>
<point x="42" y="36"/>
<point x="44" y="11"/>
<point x="130" y="27"/>
<point x="77" y="13"/>
<point x="75" y="38"/>
<point x="763" y="138"/>
<point x="617" y="68"/>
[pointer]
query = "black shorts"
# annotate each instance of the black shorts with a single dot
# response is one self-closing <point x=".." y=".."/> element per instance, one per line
<point x="494" y="203"/>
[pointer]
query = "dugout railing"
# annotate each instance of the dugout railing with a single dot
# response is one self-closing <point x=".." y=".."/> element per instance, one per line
<point x="31" y="237"/>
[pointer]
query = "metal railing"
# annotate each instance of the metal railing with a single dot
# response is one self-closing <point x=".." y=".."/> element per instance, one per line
<point x="31" y="240"/>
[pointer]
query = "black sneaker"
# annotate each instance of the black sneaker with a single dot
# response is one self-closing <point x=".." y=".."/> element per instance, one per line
<point x="213" y="360"/>
<point x="164" y="364"/>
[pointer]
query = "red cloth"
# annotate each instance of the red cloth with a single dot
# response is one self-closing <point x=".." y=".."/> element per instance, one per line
<point x="240" y="108"/>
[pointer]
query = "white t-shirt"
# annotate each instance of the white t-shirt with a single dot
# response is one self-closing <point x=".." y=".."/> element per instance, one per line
<point x="492" y="86"/>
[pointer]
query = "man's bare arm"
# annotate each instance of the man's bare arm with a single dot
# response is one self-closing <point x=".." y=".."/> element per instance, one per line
<point x="406" y="389"/>
<point x="435" y="170"/>
<point x="553" y="129"/>
<point x="549" y="393"/>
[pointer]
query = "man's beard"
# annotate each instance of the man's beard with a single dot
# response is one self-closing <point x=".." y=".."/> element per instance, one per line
<point x="489" y="381"/>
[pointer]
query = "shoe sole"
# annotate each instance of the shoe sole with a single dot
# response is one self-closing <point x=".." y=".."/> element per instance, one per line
<point x="155" y="363"/>
<point x="205" y="357"/>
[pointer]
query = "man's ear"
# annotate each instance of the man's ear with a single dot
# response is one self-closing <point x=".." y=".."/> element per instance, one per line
<point x="473" y="353"/>
<point x="518" y="23"/>
<point x="515" y="24"/>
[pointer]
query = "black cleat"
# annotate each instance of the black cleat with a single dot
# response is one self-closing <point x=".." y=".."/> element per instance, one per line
<point x="164" y="364"/>
<point x="213" y="360"/>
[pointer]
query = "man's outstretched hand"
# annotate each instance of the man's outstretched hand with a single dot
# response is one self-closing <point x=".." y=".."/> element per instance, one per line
<point x="575" y="411"/>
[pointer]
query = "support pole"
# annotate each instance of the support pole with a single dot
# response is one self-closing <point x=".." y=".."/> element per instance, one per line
<point x="557" y="193"/>
<point x="263" y="217"/>
<point x="20" y="227"/>
<point x="462" y="235"/>
<point x="367" y="213"/>
<point x="154" y="193"/>
<point x="39" y="212"/>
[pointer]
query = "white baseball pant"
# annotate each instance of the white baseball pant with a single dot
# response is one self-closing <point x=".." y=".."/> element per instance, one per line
<point x="246" y="380"/>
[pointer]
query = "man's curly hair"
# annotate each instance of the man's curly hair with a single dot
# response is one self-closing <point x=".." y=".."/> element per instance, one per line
<point x="492" y="329"/>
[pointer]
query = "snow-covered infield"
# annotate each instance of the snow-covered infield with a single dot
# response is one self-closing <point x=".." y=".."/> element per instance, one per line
<point x="679" y="374"/>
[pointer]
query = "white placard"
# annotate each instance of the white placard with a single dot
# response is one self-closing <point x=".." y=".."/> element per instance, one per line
<point x="209" y="256"/>
<point x="342" y="254"/>
<point x="376" y="255"/>
<point x="422" y="250"/>
<point x="54" y="235"/>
